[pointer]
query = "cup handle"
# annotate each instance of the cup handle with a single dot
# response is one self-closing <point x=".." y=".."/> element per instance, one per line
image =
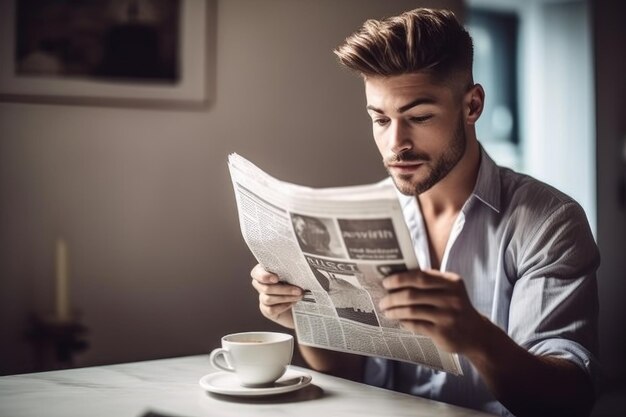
<point x="224" y="363"/>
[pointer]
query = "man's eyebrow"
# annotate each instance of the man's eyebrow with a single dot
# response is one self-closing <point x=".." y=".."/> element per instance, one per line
<point x="418" y="101"/>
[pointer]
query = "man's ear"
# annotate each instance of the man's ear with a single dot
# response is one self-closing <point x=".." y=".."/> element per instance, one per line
<point x="474" y="103"/>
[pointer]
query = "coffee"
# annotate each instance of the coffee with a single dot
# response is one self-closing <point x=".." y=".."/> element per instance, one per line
<point x="257" y="358"/>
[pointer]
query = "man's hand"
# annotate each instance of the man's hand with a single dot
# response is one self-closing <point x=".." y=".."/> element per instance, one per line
<point x="434" y="304"/>
<point x="275" y="298"/>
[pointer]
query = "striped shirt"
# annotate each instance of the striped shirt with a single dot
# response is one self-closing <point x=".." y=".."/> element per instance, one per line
<point x="528" y="260"/>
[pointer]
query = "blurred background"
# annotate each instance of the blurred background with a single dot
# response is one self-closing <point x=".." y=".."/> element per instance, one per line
<point x="135" y="185"/>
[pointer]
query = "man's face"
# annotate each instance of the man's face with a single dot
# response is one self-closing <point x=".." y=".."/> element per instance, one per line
<point x="418" y="127"/>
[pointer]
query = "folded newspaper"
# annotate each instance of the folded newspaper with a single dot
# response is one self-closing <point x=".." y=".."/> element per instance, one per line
<point x="337" y="244"/>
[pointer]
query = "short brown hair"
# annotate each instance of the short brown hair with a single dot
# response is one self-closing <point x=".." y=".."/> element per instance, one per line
<point x="420" y="40"/>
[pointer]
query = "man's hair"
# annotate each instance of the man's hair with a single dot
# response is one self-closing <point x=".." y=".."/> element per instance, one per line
<point x="420" y="40"/>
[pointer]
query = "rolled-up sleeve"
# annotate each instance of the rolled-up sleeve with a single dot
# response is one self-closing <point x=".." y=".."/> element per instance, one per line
<point x="554" y="305"/>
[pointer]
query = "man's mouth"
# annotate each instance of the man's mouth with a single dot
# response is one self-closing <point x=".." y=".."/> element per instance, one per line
<point x="403" y="168"/>
<point x="405" y="163"/>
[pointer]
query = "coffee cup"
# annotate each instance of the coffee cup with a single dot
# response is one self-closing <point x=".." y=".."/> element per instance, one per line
<point x="257" y="358"/>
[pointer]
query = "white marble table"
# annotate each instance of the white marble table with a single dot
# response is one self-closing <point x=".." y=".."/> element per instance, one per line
<point x="170" y="387"/>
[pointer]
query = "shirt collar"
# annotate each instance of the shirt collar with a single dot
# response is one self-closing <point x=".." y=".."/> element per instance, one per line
<point x="487" y="188"/>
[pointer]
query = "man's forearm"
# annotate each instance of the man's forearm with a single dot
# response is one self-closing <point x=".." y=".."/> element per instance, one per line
<point x="530" y="385"/>
<point x="344" y="365"/>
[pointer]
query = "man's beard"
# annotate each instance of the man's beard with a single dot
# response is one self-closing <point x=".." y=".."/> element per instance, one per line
<point x="438" y="169"/>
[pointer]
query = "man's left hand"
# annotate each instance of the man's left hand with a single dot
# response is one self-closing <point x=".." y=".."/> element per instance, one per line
<point x="434" y="304"/>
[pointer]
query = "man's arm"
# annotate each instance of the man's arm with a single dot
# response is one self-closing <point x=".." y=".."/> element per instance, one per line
<point x="530" y="385"/>
<point x="275" y="302"/>
<point x="436" y="304"/>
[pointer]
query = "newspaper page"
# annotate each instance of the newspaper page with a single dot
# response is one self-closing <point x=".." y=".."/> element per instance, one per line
<point x="337" y="244"/>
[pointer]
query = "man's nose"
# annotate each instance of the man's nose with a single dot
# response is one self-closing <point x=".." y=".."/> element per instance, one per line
<point x="399" y="138"/>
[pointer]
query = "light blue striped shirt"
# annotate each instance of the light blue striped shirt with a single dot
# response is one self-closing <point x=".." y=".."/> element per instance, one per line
<point x="528" y="260"/>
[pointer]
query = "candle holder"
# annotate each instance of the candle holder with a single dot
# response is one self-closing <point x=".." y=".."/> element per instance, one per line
<point x="56" y="341"/>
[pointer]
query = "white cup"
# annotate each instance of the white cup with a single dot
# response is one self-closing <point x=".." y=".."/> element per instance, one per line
<point x="257" y="358"/>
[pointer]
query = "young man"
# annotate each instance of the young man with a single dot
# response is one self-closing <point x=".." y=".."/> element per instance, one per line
<point x="507" y="276"/>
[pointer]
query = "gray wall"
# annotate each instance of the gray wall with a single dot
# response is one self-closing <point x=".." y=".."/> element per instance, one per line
<point x="158" y="266"/>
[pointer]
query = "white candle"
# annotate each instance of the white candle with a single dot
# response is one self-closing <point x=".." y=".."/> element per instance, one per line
<point x="62" y="281"/>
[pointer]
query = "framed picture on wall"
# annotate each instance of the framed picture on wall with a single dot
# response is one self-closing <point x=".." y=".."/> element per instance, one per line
<point x="145" y="53"/>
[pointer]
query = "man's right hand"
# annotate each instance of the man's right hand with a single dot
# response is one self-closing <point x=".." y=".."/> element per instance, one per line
<point x="275" y="302"/>
<point x="275" y="298"/>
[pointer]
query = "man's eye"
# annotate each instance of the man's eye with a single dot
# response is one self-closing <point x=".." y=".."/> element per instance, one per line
<point x="421" y="119"/>
<point x="381" y="122"/>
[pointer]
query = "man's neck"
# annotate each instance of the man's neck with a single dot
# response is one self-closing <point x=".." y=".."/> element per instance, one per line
<point x="449" y="195"/>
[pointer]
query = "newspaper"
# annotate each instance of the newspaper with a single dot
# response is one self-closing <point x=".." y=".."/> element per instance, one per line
<point x="337" y="244"/>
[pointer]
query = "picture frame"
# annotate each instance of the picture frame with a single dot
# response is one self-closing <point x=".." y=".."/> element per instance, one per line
<point x="181" y="80"/>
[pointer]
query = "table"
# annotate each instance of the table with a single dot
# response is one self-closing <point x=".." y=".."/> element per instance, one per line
<point x="170" y="387"/>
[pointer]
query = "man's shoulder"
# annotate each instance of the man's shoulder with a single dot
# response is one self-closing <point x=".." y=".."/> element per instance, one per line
<point x="544" y="225"/>
<point x="538" y="213"/>
<point x="521" y="192"/>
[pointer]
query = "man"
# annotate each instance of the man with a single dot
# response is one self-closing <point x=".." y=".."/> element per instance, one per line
<point x="507" y="276"/>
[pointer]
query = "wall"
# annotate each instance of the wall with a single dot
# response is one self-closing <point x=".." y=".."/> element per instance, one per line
<point x="610" y="67"/>
<point x="158" y="266"/>
<point x="559" y="145"/>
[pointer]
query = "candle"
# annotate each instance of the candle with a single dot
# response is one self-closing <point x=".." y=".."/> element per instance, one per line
<point x="62" y="281"/>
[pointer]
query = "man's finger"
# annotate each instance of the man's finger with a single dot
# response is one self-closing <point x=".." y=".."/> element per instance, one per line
<point x="416" y="279"/>
<point x="273" y="311"/>
<point x="260" y="274"/>
<point x="412" y="279"/>
<point x="414" y="313"/>
<point x="277" y="289"/>
<point x="272" y="300"/>
<point x="412" y="296"/>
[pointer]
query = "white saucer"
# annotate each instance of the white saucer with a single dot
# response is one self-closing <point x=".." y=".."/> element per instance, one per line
<point x="227" y="383"/>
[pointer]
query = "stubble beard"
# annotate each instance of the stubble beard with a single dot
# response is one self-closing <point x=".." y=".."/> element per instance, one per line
<point x="437" y="169"/>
